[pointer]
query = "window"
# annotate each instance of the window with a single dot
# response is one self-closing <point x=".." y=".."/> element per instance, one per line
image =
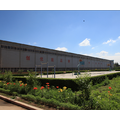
<point x="8" y="47"/>
<point x="37" y="51"/>
<point x="12" y="47"/>
<point x="18" y="48"/>
<point x="41" y="51"/>
<point x="25" y="49"/>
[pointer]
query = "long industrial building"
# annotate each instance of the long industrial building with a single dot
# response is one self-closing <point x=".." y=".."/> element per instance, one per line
<point x="15" y="56"/>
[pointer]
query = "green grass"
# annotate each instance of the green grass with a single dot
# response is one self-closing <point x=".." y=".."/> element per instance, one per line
<point x="104" y="101"/>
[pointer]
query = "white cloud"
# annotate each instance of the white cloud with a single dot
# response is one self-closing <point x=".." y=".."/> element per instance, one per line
<point x="85" y="42"/>
<point x="61" y="49"/>
<point x="102" y="53"/>
<point x="33" y="43"/>
<point x="93" y="47"/>
<point x="119" y="37"/>
<point x="117" y="54"/>
<point x="85" y="54"/>
<point x="91" y="54"/>
<point x="110" y="42"/>
<point x="115" y="58"/>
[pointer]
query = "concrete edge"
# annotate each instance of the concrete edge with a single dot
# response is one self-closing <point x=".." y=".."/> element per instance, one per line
<point x="24" y="105"/>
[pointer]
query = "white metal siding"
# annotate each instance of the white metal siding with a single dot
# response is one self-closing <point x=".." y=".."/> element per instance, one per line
<point x="61" y="64"/>
<point x="68" y="62"/>
<point x="9" y="58"/>
<point x="27" y="63"/>
<point x="52" y="60"/>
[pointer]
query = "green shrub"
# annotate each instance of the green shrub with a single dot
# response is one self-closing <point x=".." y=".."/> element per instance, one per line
<point x="98" y="79"/>
<point x="7" y="76"/>
<point x="20" y="71"/>
<point x="29" y="97"/>
<point x="1" y="84"/>
<point x="15" y="93"/>
<point x="20" y="74"/>
<point x="14" y="88"/>
<point x="31" y="81"/>
<point x="84" y="85"/>
<point x="5" y="91"/>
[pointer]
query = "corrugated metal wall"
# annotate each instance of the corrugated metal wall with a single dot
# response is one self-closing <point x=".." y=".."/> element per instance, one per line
<point x="9" y="58"/>
<point x="26" y="59"/>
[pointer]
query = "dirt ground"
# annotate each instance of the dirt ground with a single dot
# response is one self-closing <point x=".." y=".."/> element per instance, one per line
<point x="8" y="106"/>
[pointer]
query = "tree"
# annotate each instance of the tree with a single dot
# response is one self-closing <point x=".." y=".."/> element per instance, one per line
<point x="116" y="65"/>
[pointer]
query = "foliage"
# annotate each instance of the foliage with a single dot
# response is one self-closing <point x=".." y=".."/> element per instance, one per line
<point x="62" y="97"/>
<point x="1" y="84"/>
<point x="107" y="97"/>
<point x="103" y="83"/>
<point x="116" y="65"/>
<point x="7" y="76"/>
<point x="20" y="71"/>
<point x="84" y="84"/>
<point x="52" y="102"/>
<point x="4" y="91"/>
<point x="98" y="79"/>
<point x="20" y="74"/>
<point x="31" y="70"/>
<point x="31" y="81"/>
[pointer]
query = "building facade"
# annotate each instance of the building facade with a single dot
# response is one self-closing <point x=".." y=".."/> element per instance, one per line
<point x="15" y="56"/>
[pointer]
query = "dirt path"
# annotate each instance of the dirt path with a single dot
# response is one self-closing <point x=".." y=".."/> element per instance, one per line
<point x="8" y="106"/>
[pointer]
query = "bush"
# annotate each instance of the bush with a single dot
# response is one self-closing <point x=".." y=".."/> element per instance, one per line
<point x="98" y="79"/>
<point x="20" y="74"/>
<point x="7" y="76"/>
<point x="15" y="93"/>
<point x="84" y="85"/>
<point x="31" y="80"/>
<point x="5" y="91"/>
<point x="20" y="71"/>
<point x="1" y="84"/>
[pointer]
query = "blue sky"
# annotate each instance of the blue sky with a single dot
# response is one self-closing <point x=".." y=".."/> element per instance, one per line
<point x="89" y="32"/>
